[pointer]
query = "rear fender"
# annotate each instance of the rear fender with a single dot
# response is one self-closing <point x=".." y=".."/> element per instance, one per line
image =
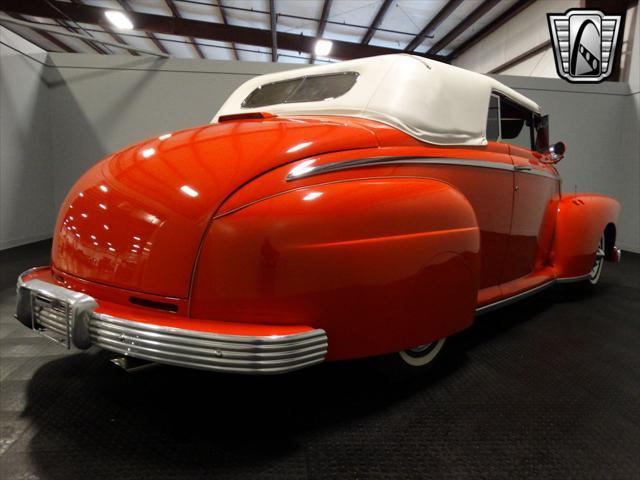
<point x="380" y="264"/>
<point x="582" y="220"/>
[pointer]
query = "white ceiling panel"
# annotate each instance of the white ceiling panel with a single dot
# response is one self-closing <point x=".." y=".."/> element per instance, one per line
<point x="251" y="53"/>
<point x="311" y="9"/>
<point x="176" y="47"/>
<point x="486" y="19"/>
<point x="202" y="10"/>
<point x="248" y="13"/>
<point x="291" y="56"/>
<point x="354" y="12"/>
<point x="222" y="50"/>
<point x="75" y="43"/>
<point x="348" y="21"/>
<point x="155" y="7"/>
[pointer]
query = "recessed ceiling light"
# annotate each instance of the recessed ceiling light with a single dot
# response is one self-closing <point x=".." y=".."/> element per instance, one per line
<point x="119" y="20"/>
<point x="323" y="47"/>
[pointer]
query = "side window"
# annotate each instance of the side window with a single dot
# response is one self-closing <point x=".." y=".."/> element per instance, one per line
<point x="541" y="131"/>
<point x="516" y="124"/>
<point x="493" y="119"/>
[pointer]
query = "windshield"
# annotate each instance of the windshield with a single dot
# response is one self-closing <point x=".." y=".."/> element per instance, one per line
<point x="303" y="89"/>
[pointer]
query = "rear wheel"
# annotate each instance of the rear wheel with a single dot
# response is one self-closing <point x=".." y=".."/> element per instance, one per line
<point x="423" y="355"/>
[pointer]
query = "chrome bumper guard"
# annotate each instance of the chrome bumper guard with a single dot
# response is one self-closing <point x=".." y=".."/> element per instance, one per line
<point x="69" y="318"/>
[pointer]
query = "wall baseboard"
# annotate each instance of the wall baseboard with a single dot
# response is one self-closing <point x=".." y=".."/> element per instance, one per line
<point x="629" y="248"/>
<point x="17" y="242"/>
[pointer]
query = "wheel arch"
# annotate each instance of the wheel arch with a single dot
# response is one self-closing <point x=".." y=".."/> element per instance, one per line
<point x="582" y="220"/>
<point x="380" y="263"/>
<point x="610" y="232"/>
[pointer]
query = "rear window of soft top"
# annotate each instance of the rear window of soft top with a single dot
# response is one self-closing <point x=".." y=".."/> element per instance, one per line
<point x="311" y="88"/>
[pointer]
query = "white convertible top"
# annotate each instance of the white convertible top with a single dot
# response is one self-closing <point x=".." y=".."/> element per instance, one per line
<point x="431" y="101"/>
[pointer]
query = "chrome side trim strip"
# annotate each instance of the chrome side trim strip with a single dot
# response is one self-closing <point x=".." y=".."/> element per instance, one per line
<point x="310" y="170"/>
<point x="541" y="173"/>
<point x="508" y="301"/>
<point x="579" y="278"/>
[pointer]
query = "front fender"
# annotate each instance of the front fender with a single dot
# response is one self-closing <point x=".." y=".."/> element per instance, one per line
<point x="380" y="264"/>
<point x="581" y="222"/>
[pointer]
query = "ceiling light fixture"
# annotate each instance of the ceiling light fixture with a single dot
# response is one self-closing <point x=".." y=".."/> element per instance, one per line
<point x="323" y="48"/>
<point x="119" y="20"/>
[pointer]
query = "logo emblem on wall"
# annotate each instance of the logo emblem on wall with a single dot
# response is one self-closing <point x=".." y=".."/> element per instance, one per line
<point x="584" y="43"/>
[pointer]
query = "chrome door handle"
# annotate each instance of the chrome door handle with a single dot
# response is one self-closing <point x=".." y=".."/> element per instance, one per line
<point x="522" y="168"/>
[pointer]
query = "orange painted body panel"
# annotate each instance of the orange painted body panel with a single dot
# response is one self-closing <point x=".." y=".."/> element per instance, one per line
<point x="136" y="219"/>
<point x="114" y="301"/>
<point x="535" y="201"/>
<point x="363" y="260"/>
<point x="382" y="257"/>
<point x="582" y="217"/>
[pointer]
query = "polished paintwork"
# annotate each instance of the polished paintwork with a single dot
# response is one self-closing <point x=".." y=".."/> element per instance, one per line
<point x="136" y="219"/>
<point x="383" y="257"/>
<point x="369" y="276"/>
<point x="581" y="219"/>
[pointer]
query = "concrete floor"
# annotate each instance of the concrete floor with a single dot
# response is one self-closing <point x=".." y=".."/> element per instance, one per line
<point x="547" y="388"/>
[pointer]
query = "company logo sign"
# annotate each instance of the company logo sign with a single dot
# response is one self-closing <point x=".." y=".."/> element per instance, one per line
<point x="584" y="43"/>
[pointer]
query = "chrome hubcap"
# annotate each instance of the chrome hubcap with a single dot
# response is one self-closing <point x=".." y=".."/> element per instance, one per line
<point x="421" y="350"/>
<point x="597" y="266"/>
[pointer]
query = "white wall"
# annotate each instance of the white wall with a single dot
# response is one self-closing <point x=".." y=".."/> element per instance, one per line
<point x="26" y="190"/>
<point x="101" y="103"/>
<point x="600" y="125"/>
<point x="529" y="29"/>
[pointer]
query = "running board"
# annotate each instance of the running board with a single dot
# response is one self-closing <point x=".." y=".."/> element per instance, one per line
<point x="516" y="298"/>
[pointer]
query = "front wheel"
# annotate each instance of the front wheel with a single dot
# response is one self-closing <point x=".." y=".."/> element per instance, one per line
<point x="594" y="275"/>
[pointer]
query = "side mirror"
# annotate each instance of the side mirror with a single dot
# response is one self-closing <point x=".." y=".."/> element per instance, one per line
<point x="555" y="153"/>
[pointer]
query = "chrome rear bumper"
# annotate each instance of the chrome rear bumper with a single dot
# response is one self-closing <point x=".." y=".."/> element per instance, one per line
<point x="70" y="318"/>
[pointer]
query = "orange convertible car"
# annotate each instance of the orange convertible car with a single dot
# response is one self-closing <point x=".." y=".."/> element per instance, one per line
<point x="332" y="212"/>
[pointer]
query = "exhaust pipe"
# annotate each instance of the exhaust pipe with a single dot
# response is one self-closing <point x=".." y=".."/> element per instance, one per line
<point x="133" y="365"/>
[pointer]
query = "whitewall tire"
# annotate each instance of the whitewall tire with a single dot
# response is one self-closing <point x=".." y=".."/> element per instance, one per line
<point x="594" y="275"/>
<point x="424" y="354"/>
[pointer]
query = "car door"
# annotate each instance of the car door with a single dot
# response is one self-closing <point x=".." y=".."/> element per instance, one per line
<point x="535" y="198"/>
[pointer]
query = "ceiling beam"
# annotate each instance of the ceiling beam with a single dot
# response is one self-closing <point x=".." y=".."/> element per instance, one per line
<point x="125" y="4"/>
<point x="462" y="26"/>
<point x="223" y="14"/>
<point x="434" y="23"/>
<point x="274" y="30"/>
<point x="176" y="13"/>
<point x="46" y="35"/>
<point x="503" y="18"/>
<point x="382" y="11"/>
<point x="196" y="28"/>
<point x="38" y="26"/>
<point x="113" y="34"/>
<point x="95" y="47"/>
<point x="87" y="38"/>
<point x="326" y="6"/>
<point x="522" y="57"/>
